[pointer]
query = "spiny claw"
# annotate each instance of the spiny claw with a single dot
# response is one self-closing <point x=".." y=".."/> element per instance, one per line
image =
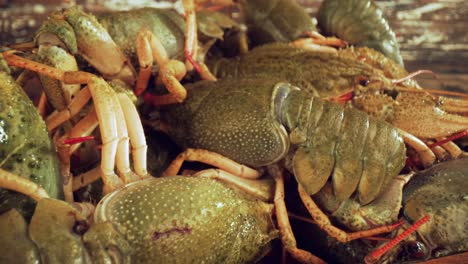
<point x="422" y="116"/>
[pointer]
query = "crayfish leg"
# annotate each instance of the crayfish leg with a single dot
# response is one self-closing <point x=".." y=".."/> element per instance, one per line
<point x="150" y="49"/>
<point x="191" y="41"/>
<point x="324" y="223"/>
<point x="426" y="155"/>
<point x="16" y="183"/>
<point x="136" y="134"/>
<point x="260" y="189"/>
<point x="316" y="42"/>
<point x="211" y="158"/>
<point x="58" y="118"/>
<point x="284" y="226"/>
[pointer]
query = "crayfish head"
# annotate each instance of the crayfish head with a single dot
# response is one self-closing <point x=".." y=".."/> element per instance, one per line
<point x="373" y="96"/>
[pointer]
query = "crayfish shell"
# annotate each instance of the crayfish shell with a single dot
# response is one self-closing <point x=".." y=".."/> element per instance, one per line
<point x="182" y="220"/>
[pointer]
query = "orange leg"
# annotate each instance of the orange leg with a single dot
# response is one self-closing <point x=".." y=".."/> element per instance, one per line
<point x="260" y="189"/>
<point x="58" y="118"/>
<point x="317" y="42"/>
<point x="284" y="226"/>
<point x="426" y="155"/>
<point x="324" y="223"/>
<point x="63" y="151"/>
<point x="213" y="159"/>
<point x="329" y="41"/>
<point x="41" y="105"/>
<point x="191" y="41"/>
<point x="150" y="49"/>
<point x="16" y="183"/>
<point x="109" y="115"/>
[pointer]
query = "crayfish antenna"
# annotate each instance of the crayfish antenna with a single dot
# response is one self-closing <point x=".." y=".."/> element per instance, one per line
<point x="25" y="46"/>
<point x="377" y="254"/>
<point x="413" y="74"/>
<point x="427" y="117"/>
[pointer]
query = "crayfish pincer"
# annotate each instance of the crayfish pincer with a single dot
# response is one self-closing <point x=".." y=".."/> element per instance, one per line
<point x="159" y="220"/>
<point x="441" y="193"/>
<point x="438" y="195"/>
<point x="260" y="122"/>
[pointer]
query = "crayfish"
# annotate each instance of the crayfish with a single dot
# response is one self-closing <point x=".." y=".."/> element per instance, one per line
<point x="437" y="194"/>
<point x="262" y="122"/>
<point x="140" y="220"/>
<point x="367" y="80"/>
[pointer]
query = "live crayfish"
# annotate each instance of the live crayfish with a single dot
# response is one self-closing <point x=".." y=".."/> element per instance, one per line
<point x="145" y="221"/>
<point x="117" y="43"/>
<point x="357" y="22"/>
<point x="370" y="82"/>
<point x="259" y="122"/>
<point x="176" y="229"/>
<point x="438" y="192"/>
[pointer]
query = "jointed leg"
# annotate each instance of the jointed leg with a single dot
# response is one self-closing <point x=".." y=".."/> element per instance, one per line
<point x="424" y="152"/>
<point x="324" y="223"/>
<point x="108" y="127"/>
<point x="261" y="189"/>
<point x="317" y="42"/>
<point x="63" y="151"/>
<point x="284" y="226"/>
<point x="191" y="41"/>
<point x="108" y="111"/>
<point x="150" y="49"/>
<point x="137" y="136"/>
<point x="213" y="159"/>
<point x="86" y="178"/>
<point x="122" y="155"/>
<point x="58" y="118"/>
<point x="14" y="182"/>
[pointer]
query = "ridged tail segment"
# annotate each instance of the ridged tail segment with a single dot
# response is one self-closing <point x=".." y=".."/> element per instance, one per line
<point x="358" y="152"/>
<point x="361" y="23"/>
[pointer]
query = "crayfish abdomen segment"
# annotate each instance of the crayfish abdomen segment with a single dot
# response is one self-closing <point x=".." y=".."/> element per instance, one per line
<point x="360" y="153"/>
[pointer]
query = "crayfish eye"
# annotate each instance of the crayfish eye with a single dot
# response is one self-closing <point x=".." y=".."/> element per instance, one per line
<point x="363" y="81"/>
<point x="414" y="250"/>
<point x="80" y="227"/>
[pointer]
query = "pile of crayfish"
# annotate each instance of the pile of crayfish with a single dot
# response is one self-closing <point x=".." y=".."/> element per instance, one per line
<point x="240" y="133"/>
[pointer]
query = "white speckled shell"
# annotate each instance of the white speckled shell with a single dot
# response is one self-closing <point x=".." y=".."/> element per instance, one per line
<point x="183" y="219"/>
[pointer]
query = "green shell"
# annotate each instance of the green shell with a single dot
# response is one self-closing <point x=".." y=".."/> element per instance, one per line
<point x="185" y="220"/>
<point x="359" y="22"/>
<point x="275" y="20"/>
<point x="25" y="147"/>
